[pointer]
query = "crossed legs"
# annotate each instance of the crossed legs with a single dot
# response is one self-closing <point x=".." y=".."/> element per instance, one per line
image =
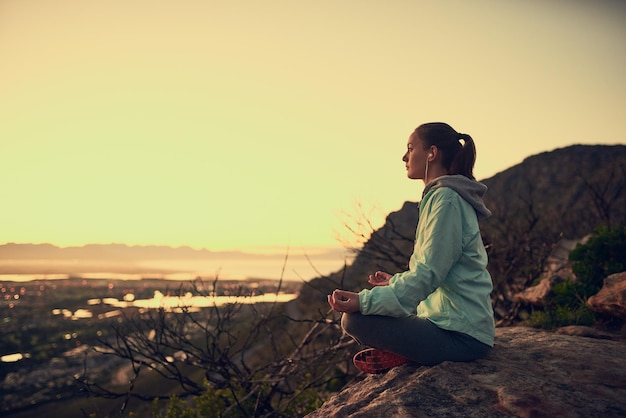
<point x="415" y="338"/>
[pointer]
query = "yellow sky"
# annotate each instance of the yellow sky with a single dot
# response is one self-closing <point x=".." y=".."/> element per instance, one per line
<point x="245" y="124"/>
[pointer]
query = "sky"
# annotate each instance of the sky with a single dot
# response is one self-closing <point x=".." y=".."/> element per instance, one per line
<point x="258" y="126"/>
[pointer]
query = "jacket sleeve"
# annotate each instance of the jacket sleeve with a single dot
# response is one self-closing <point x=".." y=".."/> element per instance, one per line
<point x="438" y="246"/>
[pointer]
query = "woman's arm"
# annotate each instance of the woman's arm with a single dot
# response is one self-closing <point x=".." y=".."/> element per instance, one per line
<point x="438" y="246"/>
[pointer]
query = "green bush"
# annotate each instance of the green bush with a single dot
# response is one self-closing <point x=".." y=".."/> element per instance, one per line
<point x="559" y="316"/>
<point x="539" y="319"/>
<point x="602" y="255"/>
<point x="569" y="294"/>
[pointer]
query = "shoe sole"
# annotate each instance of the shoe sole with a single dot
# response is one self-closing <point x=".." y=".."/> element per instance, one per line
<point x="375" y="361"/>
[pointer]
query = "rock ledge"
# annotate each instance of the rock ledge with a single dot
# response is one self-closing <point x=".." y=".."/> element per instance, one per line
<point x="529" y="373"/>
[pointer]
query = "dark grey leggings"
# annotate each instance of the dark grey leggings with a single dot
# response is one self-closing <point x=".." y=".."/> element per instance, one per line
<point x="415" y="338"/>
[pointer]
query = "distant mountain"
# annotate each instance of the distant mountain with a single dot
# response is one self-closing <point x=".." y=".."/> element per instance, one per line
<point x="118" y="252"/>
<point x="48" y="259"/>
<point x="125" y="253"/>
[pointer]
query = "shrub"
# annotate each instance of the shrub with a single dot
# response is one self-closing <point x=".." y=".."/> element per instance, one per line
<point x="559" y="316"/>
<point x="602" y="255"/>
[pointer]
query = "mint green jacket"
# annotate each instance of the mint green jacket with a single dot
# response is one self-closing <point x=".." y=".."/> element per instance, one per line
<point x="447" y="281"/>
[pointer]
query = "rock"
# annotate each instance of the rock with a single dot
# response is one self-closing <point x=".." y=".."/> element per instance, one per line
<point x="557" y="269"/>
<point x="611" y="299"/>
<point x="529" y="373"/>
<point x="536" y="295"/>
<point x="583" y="331"/>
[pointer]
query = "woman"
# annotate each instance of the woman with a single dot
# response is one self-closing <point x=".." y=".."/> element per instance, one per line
<point x="440" y="309"/>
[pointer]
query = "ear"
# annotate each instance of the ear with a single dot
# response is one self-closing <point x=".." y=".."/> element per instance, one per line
<point x="432" y="153"/>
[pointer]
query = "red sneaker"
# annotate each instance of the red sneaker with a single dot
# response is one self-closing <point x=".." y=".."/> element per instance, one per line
<point x="376" y="361"/>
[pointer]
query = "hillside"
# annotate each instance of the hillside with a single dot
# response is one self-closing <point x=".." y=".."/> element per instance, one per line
<point x="568" y="191"/>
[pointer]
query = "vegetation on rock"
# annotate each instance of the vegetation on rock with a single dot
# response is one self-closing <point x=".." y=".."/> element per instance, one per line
<point x="603" y="254"/>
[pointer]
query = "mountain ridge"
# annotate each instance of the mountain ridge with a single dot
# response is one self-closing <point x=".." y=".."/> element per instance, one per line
<point x="125" y="252"/>
<point x="26" y="251"/>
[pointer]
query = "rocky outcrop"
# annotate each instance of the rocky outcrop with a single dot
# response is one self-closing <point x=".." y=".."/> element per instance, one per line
<point x="557" y="270"/>
<point x="529" y="373"/>
<point x="611" y="299"/>
<point x="538" y="295"/>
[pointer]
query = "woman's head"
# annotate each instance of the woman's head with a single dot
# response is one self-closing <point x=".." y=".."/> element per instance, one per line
<point x="455" y="152"/>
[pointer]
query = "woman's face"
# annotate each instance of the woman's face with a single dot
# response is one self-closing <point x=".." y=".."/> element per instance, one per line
<point x="415" y="158"/>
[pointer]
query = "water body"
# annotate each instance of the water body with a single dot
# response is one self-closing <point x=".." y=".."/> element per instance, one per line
<point x="187" y="302"/>
<point x="194" y="302"/>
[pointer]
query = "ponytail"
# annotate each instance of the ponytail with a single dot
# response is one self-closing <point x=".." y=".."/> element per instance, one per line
<point x="464" y="159"/>
<point x="458" y="150"/>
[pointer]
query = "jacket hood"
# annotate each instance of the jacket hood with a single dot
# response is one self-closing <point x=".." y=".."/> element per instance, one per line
<point x="470" y="190"/>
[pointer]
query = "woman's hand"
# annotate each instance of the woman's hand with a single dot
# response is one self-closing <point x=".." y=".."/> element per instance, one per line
<point x="380" y="278"/>
<point x="344" y="301"/>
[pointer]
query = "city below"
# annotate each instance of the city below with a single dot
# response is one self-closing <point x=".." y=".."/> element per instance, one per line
<point x="50" y="326"/>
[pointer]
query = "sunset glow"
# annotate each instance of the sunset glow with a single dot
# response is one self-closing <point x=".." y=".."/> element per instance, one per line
<point x="241" y="125"/>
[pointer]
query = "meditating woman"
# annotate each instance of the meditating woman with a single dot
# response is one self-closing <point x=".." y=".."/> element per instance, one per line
<point x="440" y="309"/>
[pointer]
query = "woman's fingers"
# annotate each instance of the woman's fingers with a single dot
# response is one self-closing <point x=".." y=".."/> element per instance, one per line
<point x="374" y="278"/>
<point x="334" y="300"/>
<point x="380" y="278"/>
<point x="344" y="301"/>
<point x="342" y="295"/>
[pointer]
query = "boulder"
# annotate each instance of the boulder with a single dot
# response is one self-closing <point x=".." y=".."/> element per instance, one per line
<point x="529" y="373"/>
<point x="557" y="269"/>
<point x="536" y="295"/>
<point x="611" y="299"/>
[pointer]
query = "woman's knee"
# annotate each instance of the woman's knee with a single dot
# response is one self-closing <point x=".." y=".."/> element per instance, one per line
<point x="352" y="324"/>
<point x="346" y="322"/>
